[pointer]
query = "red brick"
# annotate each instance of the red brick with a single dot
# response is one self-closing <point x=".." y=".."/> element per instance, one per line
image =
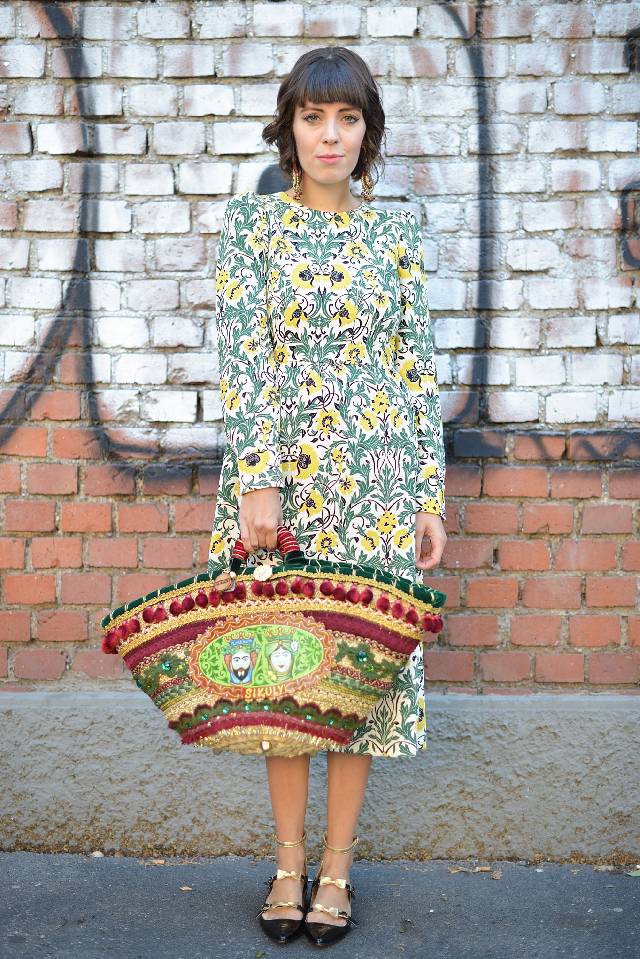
<point x="463" y="480"/>
<point x="167" y="481"/>
<point x="603" y="518"/>
<point x="79" y="517"/>
<point x="470" y="630"/>
<point x="39" y="663"/>
<point x="134" y="585"/>
<point x="491" y="518"/>
<point x="450" y="585"/>
<point x="535" y="630"/>
<point x="143" y="518"/>
<point x="109" y="481"/>
<point x="451" y="666"/>
<point x="610" y="445"/>
<point x="64" y="552"/>
<point x="587" y="554"/>
<point x="504" y="691"/>
<point x="113" y="551"/>
<point x="56" y="478"/>
<point x="539" y="446"/>
<point x="80" y="588"/>
<point x="452" y="522"/>
<point x="616" y="667"/>
<point x="467" y="553"/>
<point x="559" y="668"/>
<point x="62" y="626"/>
<point x="552" y="592"/>
<point x="505" y="667"/>
<point x="208" y="482"/>
<point x="56" y="405"/>
<point x="9" y="477"/>
<point x="520" y="554"/>
<point x="15" y="625"/>
<point x="631" y="556"/>
<point x="76" y="443"/>
<point x="633" y="637"/>
<point x="193" y="517"/>
<point x="170" y="553"/>
<point x="23" y="440"/>
<point x="94" y="664"/>
<point x="589" y="629"/>
<point x="611" y="591"/>
<point x="575" y="484"/>
<point x="492" y="591"/>
<point x="550" y="518"/>
<point x="11" y="553"/>
<point x="624" y="484"/>
<point x="514" y="481"/>
<point x="29" y="515"/>
<point x="4" y="662"/>
<point x="26" y="589"/>
<point x="8" y="215"/>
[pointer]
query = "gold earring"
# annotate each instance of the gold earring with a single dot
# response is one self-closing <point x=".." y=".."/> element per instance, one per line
<point x="296" y="182"/>
<point x="367" y="187"/>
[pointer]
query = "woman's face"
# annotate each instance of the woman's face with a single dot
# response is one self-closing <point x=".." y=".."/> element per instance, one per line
<point x="323" y="129"/>
<point x="281" y="659"/>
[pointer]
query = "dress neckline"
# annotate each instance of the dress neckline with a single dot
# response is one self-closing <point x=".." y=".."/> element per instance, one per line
<point x="284" y="196"/>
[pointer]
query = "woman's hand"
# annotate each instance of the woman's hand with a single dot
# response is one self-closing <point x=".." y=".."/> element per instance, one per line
<point x="430" y="539"/>
<point x="260" y="516"/>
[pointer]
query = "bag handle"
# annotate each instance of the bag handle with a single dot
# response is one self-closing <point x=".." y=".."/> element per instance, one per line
<point x="287" y="546"/>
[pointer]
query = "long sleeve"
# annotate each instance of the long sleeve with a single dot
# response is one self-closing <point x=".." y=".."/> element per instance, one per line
<point x="415" y="362"/>
<point x="248" y="371"/>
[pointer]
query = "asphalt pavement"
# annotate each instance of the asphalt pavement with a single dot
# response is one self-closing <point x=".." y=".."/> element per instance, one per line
<point x="67" y="906"/>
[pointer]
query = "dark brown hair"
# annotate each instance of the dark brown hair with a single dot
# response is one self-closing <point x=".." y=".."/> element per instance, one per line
<point x="329" y="75"/>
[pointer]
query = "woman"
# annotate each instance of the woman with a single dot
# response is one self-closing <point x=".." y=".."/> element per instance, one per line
<point x="332" y="420"/>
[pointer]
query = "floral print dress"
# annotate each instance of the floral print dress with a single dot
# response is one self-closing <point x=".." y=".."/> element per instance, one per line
<point x="329" y="392"/>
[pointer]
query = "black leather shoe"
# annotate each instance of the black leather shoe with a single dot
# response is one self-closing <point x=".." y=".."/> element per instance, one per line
<point x="323" y="933"/>
<point x="282" y="929"/>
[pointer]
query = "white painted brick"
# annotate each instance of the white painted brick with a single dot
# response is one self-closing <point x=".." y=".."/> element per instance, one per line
<point x="463" y="253"/>
<point x="481" y="368"/>
<point x="196" y="294"/>
<point x="540" y="216"/>
<point x="121" y="255"/>
<point x="73" y="61"/>
<point x="622" y="172"/>
<point x="460" y="332"/>
<point x="7" y="22"/>
<point x="571" y="331"/>
<point x="445" y="177"/>
<point x="152" y="100"/>
<point x="518" y="332"/>
<point x="443" y="217"/>
<point x="444" y="368"/>
<point x="553" y="136"/>
<point x="215" y="99"/>
<point x="515" y="20"/>
<point x="634" y="376"/>
<point x="625" y="96"/>
<point x="115" y="405"/>
<point x="445" y="293"/>
<point x="394" y="21"/>
<point x="441" y="99"/>
<point x="63" y="254"/>
<point x="18" y="59"/>
<point x="140" y="368"/>
<point x="176" y="331"/>
<point x="120" y="138"/>
<point x="167" y="22"/>
<point x="573" y="176"/>
<point x="61" y="136"/>
<point x="532" y="255"/>
<point x="100" y="176"/>
<point x="494" y="62"/>
<point x="148" y="179"/>
<point x="600" y="212"/>
<point x="41" y="99"/>
<point x="541" y="59"/>
<point x="540" y="370"/>
<point x="94" y="294"/>
<point x="502" y="138"/>
<point x="198" y="440"/>
<point x="16" y="364"/>
<point x="131" y="60"/>
<point x="571" y="407"/>
<point x="152" y="295"/>
<point x="103" y="100"/>
<point x="211" y="406"/>
<point x="624" y="405"/>
<point x="436" y="21"/>
<point x="491" y="216"/>
<point x="219" y="20"/>
<point x="170" y="406"/>
<point x="578" y="96"/>
<point x="616" y="19"/>
<point x="283" y="20"/>
<point x="587" y="369"/>
<point x="611" y="136"/>
<point x="173" y="138"/>
<point x="31" y="176"/>
<point x="551" y="294"/>
<point x="338" y="20"/>
<point x="180" y="254"/>
<point x="238" y="137"/>
<point x="59" y="216"/>
<point x="190" y="367"/>
<point x="188" y="60"/>
<point x="107" y="216"/>
<point x="496" y="294"/>
<point x="624" y="328"/>
<point x="519" y="176"/>
<point x="249" y="59"/>
<point x="420" y="59"/>
<point x="169" y="216"/>
<point x="431" y="139"/>
<point x="563" y="20"/>
<point x="521" y="96"/>
<point x="102" y="22"/>
<point x="120" y="332"/>
<point x="204" y="177"/>
<point x="513" y="406"/>
<point x="37" y="292"/>
<point x="16" y="329"/>
<point x="607" y="294"/>
<point x="600" y="56"/>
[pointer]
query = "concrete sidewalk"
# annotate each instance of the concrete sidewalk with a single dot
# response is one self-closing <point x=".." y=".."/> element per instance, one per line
<point x="80" y="907"/>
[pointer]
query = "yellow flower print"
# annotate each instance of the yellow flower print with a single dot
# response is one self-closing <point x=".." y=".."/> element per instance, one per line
<point x="326" y="422"/>
<point x="302" y="276"/>
<point x="347" y="313"/>
<point x="402" y="538"/>
<point x="294" y="316"/>
<point x="222" y="278"/>
<point x="387" y="522"/>
<point x="216" y="543"/>
<point x="280" y="244"/>
<point x="256" y="239"/>
<point x="411" y="376"/>
<point x="292" y="219"/>
<point x="307" y="461"/>
<point x="421" y="721"/>
<point x="380" y="299"/>
<point x="231" y="400"/>
<point x="282" y="354"/>
<point x="312" y="503"/>
<point x="355" y="248"/>
<point x="233" y="291"/>
<point x="337" y="455"/>
<point x="380" y="402"/>
<point x="354" y="353"/>
<point x="347" y="485"/>
<point x="404" y="263"/>
<point x="324" y="543"/>
<point x="368" y="421"/>
<point x="397" y="419"/>
<point x="340" y="276"/>
<point x="254" y="463"/>
<point x="312" y="383"/>
<point x="370" y="541"/>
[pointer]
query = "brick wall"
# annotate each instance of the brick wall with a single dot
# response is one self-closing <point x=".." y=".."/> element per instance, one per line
<point x="512" y="133"/>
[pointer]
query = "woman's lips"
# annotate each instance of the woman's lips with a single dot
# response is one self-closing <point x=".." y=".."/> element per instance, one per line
<point x="330" y="159"/>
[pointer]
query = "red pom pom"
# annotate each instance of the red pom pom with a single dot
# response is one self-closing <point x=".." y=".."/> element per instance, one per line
<point x="160" y="614"/>
<point x="267" y="589"/>
<point x="214" y="597"/>
<point x="282" y="587"/>
<point x="201" y="599"/>
<point x="133" y="625"/>
<point x="296" y="585"/>
<point x="412" y="616"/>
<point x="366" y="595"/>
<point x="109" y="642"/>
<point x="354" y="595"/>
<point x="175" y="607"/>
<point x="397" y="609"/>
<point x="256" y="587"/>
<point x="382" y="603"/>
<point x="227" y="596"/>
<point x="439" y="624"/>
<point x="240" y="591"/>
<point x="188" y="602"/>
<point x="147" y="614"/>
<point x="326" y="587"/>
<point x="122" y="632"/>
<point x="339" y="592"/>
<point x="309" y="588"/>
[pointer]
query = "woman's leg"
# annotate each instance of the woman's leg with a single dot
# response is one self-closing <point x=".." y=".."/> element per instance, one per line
<point x="288" y="779"/>
<point x="347" y="777"/>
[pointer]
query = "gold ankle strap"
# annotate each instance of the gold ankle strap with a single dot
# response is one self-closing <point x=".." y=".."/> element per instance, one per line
<point x="284" y="842"/>
<point x="338" y="848"/>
